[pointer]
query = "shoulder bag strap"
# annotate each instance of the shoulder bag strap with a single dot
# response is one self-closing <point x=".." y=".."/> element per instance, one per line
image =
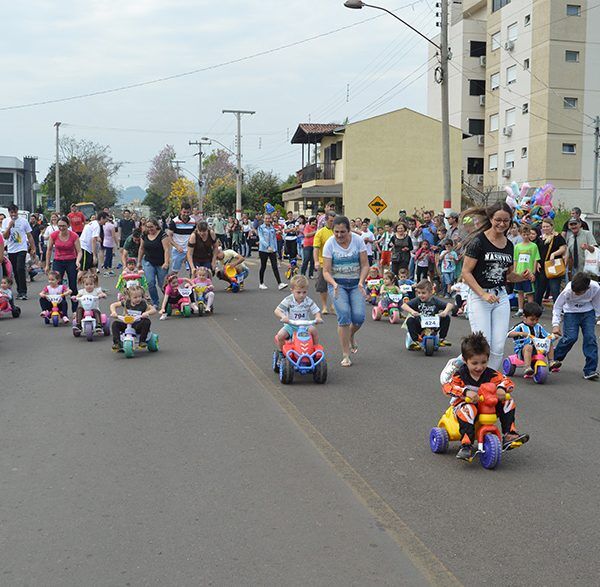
<point x="549" y="249"/>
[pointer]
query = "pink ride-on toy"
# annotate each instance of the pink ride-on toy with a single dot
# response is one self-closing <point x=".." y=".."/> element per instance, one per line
<point x="392" y="311"/>
<point x="539" y="360"/>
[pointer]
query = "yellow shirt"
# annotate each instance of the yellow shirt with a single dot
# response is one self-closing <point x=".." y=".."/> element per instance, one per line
<point x="321" y="237"/>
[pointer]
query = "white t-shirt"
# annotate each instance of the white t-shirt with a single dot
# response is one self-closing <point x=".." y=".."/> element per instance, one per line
<point x="17" y="238"/>
<point x="96" y="292"/>
<point x="298" y="311"/>
<point x="367" y="234"/>
<point x="90" y="231"/>
<point x="345" y="263"/>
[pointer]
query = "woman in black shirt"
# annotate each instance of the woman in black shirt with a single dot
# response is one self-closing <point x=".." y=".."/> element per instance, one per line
<point x="154" y="257"/>
<point x="488" y="265"/>
<point x="401" y="246"/>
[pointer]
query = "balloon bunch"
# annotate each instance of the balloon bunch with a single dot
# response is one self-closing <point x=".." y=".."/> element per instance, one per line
<point x="530" y="209"/>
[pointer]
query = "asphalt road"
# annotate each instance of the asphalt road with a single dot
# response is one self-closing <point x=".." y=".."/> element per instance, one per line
<point x="194" y="466"/>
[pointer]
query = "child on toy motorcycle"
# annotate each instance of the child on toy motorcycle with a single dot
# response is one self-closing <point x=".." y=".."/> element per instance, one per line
<point x="172" y="295"/>
<point x="403" y="279"/>
<point x="425" y="304"/>
<point x="202" y="280"/>
<point x="134" y="302"/>
<point x="389" y="286"/>
<point x="131" y="275"/>
<point x="521" y="333"/>
<point x="88" y="283"/>
<point x="462" y="388"/>
<point x="6" y="295"/>
<point x="56" y="288"/>
<point x="296" y="306"/>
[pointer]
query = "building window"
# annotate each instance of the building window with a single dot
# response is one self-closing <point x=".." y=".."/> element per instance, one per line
<point x="7" y="189"/>
<point x="510" y="116"/>
<point x="526" y="63"/>
<point x="570" y="102"/>
<point x="493" y="122"/>
<point x="509" y="159"/>
<point x="573" y="9"/>
<point x="493" y="162"/>
<point x="496" y="41"/>
<point x="476" y="126"/>
<point x="572" y="56"/>
<point x="527" y="20"/>
<point x="498" y="4"/>
<point x="511" y="32"/>
<point x="525" y="108"/>
<point x="476" y="87"/>
<point x="569" y="148"/>
<point x="475" y="165"/>
<point x="495" y="81"/>
<point x="477" y="48"/>
<point x="523" y="152"/>
<point x="511" y="74"/>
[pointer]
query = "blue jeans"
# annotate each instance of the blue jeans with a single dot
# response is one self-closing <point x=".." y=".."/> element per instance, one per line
<point x="177" y="259"/>
<point x="154" y="273"/>
<point x="571" y="324"/>
<point x="349" y="304"/>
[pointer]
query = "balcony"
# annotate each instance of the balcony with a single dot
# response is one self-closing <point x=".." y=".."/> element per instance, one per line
<point x="317" y="171"/>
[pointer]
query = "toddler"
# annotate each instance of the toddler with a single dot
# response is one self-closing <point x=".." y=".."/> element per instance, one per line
<point x="203" y="286"/>
<point x="460" y="290"/>
<point x="389" y="286"/>
<point x="172" y="295"/>
<point x="131" y="275"/>
<point x="134" y="304"/>
<point x="57" y="289"/>
<point x="88" y="283"/>
<point x="404" y="280"/>
<point x="6" y="294"/>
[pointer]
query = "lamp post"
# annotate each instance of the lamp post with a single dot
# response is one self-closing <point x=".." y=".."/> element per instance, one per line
<point x="442" y="74"/>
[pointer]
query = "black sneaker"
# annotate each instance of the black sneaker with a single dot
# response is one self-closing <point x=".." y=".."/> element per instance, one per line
<point x="466" y="452"/>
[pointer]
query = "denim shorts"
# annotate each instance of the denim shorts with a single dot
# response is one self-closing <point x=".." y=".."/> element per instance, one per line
<point x="290" y="329"/>
<point x="349" y="304"/>
<point x="524" y="286"/>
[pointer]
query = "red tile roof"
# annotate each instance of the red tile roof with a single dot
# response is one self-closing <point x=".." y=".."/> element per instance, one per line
<point x="308" y="132"/>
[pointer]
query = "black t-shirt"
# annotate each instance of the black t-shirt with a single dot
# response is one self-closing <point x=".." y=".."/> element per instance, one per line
<point x="141" y="307"/>
<point x="557" y="242"/>
<point x="126" y="228"/>
<point x="153" y="249"/>
<point x="431" y="307"/>
<point x="584" y="225"/>
<point x="492" y="263"/>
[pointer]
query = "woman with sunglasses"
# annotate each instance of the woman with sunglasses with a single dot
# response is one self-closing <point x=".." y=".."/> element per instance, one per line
<point x="66" y="247"/>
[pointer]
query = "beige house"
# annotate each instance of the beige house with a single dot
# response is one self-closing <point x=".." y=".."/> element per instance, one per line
<point x="396" y="156"/>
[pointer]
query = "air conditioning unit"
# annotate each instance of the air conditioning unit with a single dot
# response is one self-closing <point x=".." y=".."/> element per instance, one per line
<point x="481" y="140"/>
<point x="480" y="179"/>
<point x="506" y="172"/>
<point x="509" y="45"/>
<point x="482" y="100"/>
<point x="507" y="131"/>
<point x="482" y="61"/>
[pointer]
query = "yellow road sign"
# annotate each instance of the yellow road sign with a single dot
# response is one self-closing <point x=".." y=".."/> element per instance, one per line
<point x="377" y="205"/>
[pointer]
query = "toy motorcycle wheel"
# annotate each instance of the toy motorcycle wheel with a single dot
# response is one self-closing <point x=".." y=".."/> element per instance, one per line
<point x="540" y="375"/>
<point x="376" y="313"/>
<point x="201" y="309"/>
<point x="128" y="348"/>
<point x="187" y="311"/>
<point x="275" y="361"/>
<point x="88" y="330"/>
<point x="394" y="316"/>
<point x="286" y="371"/>
<point x="46" y="320"/>
<point x="76" y="332"/>
<point x="320" y="372"/>
<point x="508" y="368"/>
<point x="438" y="440"/>
<point x="54" y="320"/>
<point x="16" y="312"/>
<point x="106" y="328"/>
<point x="153" y="343"/>
<point x="492" y="451"/>
<point x="429" y="346"/>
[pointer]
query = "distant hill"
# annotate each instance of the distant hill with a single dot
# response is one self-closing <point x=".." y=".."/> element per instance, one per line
<point x="134" y="192"/>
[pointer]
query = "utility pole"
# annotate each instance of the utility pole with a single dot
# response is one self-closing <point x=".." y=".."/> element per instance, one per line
<point x="238" y="185"/>
<point x="57" y="174"/>
<point x="177" y="163"/>
<point x="444" y="58"/>
<point x="596" y="156"/>
<point x="200" y="182"/>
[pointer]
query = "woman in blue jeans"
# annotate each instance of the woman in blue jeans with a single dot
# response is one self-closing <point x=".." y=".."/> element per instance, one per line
<point x="345" y="268"/>
<point x="488" y="265"/>
<point x="154" y="257"/>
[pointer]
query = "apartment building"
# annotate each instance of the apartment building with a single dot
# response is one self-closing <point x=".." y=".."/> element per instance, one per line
<point x="542" y="93"/>
<point x="18" y="184"/>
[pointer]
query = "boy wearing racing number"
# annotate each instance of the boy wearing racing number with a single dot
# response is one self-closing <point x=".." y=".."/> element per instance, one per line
<point x="463" y="386"/>
<point x="425" y="304"/>
<point x="522" y="333"/>
<point x="296" y="306"/>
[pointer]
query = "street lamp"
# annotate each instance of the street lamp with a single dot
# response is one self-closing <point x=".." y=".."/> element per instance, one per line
<point x="219" y="143"/>
<point x="442" y="74"/>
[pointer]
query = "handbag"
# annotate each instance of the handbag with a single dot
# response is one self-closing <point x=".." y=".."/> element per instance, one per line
<point x="553" y="268"/>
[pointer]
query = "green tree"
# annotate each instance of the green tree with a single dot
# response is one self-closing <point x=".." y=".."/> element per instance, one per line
<point x="262" y="187"/>
<point x="221" y="197"/>
<point x="156" y="203"/>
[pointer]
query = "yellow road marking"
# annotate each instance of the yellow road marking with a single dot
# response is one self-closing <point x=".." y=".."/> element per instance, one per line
<point x="424" y="559"/>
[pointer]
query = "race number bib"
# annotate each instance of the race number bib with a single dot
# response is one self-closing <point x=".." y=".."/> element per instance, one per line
<point x="524" y="258"/>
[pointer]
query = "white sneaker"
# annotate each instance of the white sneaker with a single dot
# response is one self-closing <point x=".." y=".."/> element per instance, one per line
<point x="163" y="317"/>
<point x="283" y="285"/>
<point x="262" y="286"/>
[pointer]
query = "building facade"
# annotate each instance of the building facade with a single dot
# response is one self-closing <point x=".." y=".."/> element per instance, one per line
<point x="396" y="156"/>
<point x="18" y="183"/>
<point x="541" y="93"/>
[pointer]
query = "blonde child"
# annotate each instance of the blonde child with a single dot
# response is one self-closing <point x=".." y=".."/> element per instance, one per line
<point x="55" y="288"/>
<point x="134" y="304"/>
<point x="203" y="281"/>
<point x="88" y="284"/>
<point x="296" y="306"/>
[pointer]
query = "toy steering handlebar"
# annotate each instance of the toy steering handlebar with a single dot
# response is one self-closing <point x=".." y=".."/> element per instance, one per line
<point x="302" y="322"/>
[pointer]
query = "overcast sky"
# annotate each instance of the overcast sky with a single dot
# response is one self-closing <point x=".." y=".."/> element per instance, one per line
<point x="60" y="49"/>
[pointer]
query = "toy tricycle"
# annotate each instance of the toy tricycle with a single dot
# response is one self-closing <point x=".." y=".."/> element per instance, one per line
<point x="235" y="279"/>
<point x="489" y="438"/>
<point x="54" y="315"/>
<point x="429" y="340"/>
<point x="539" y="359"/>
<point x="199" y="295"/>
<point x="406" y="290"/>
<point x="392" y="311"/>
<point x="373" y="287"/>
<point x="300" y="354"/>
<point x="88" y="322"/>
<point x="7" y="308"/>
<point x="184" y="304"/>
<point x="292" y="269"/>
<point x="130" y="340"/>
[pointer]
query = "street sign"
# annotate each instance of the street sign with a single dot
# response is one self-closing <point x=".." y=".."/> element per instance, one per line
<point x="377" y="205"/>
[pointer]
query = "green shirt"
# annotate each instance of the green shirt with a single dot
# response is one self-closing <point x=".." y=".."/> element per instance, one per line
<point x="526" y="256"/>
